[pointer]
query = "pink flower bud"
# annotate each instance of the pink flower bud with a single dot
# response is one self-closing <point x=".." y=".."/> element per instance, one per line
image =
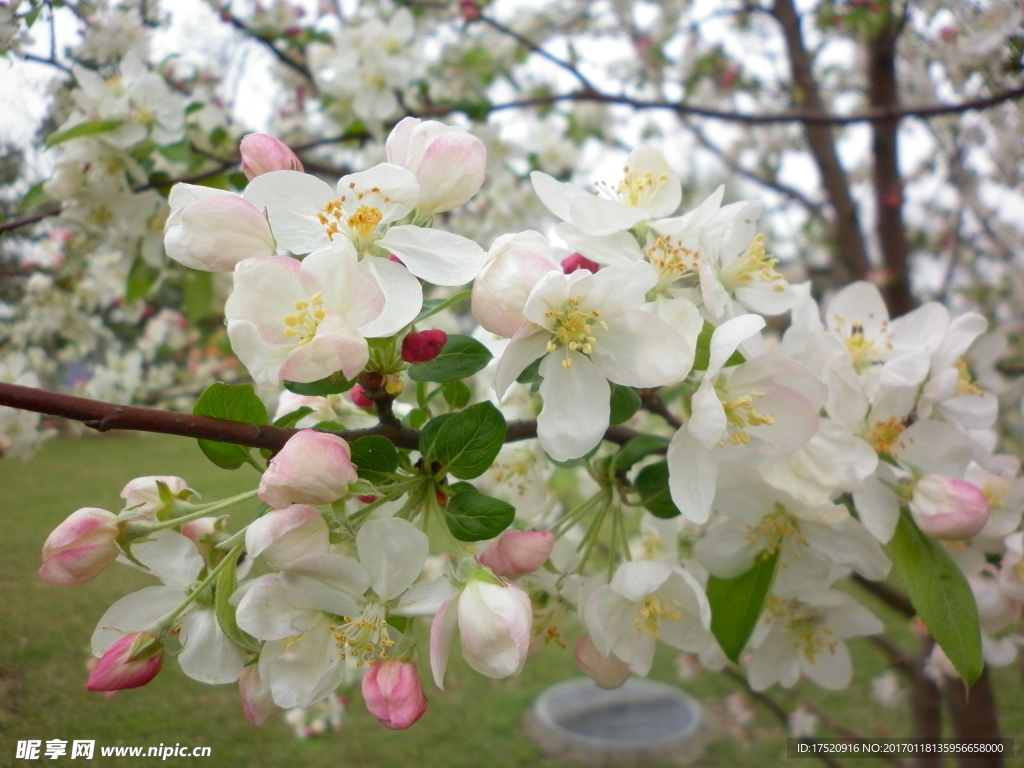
<point x="131" y="662"/>
<point x="518" y="552"/>
<point x="424" y="345"/>
<point x="263" y="154"/>
<point x="607" y="671"/>
<point x="359" y="398"/>
<point x="448" y="161"/>
<point x="312" y="468"/>
<point x="257" y="700"/>
<point x="80" y="548"/>
<point x="393" y="693"/>
<point x="945" y="508"/>
<point x="575" y="261"/>
<point x="143" y="493"/>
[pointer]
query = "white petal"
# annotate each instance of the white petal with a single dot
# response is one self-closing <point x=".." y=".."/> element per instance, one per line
<point x="207" y="655"/>
<point x="577" y="406"/>
<point x="556" y="195"/>
<point x="302" y="670"/>
<point x="599" y="216"/>
<point x="708" y="421"/>
<point x="439" y="257"/>
<point x="693" y="474"/>
<point x="266" y="612"/>
<point x="442" y="634"/>
<point x="640" y="349"/>
<point x="403" y="297"/>
<point x="728" y="337"/>
<point x="529" y="344"/>
<point x="393" y="551"/>
<point x="293" y="200"/>
<point x="133" y="613"/>
<point x="172" y="557"/>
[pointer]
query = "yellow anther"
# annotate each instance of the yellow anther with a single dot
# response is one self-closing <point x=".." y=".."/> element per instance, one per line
<point x="652" y="611"/>
<point x="307" y="318"/>
<point x="753" y="265"/>
<point x="884" y="434"/>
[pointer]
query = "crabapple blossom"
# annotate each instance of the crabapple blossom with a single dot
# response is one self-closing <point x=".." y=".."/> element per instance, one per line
<point x="393" y="693"/>
<point x="131" y="662"/>
<point x="213" y="230"/>
<point x="263" y="154"/>
<point x="647" y="601"/>
<point x="80" y="548"/>
<point x="206" y="653"/>
<point x="513" y="266"/>
<point x="516" y="553"/>
<point x="945" y="508"/>
<point x="422" y="346"/>
<point x="303" y="321"/>
<point x="589" y="329"/>
<point x="493" y="619"/>
<point x="607" y="670"/>
<point x="151" y="495"/>
<point x="312" y="468"/>
<point x="447" y="160"/>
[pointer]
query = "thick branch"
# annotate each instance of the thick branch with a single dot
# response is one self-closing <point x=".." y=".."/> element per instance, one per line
<point x="892" y="239"/>
<point x="894" y="599"/>
<point x="851" y="251"/>
<point x="104" y="417"/>
<point x="973" y="713"/>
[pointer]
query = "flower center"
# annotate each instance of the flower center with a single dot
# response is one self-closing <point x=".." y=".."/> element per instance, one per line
<point x="365" y="637"/>
<point x="885" y="433"/>
<point x="768" y="536"/>
<point x="753" y="265"/>
<point x="965" y="385"/>
<point x="306" y="320"/>
<point x="651" y="612"/>
<point x="636" y="189"/>
<point x="811" y="637"/>
<point x="672" y="261"/>
<point x="740" y="413"/>
<point x="573" y="329"/>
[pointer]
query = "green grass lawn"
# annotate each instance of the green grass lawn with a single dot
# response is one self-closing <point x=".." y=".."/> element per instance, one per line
<point x="45" y="631"/>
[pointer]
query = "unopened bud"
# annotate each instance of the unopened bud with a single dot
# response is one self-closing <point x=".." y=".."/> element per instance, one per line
<point x="263" y="154"/>
<point x="576" y="261"/>
<point x="945" y="508"/>
<point x="424" y="345"/>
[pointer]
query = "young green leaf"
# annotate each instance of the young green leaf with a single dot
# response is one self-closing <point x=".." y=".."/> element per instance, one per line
<point x="466" y="443"/>
<point x="737" y="603"/>
<point x="636" y="448"/>
<point x="474" y="516"/>
<point x="227" y="583"/>
<point x="374" y="457"/>
<point x="462" y="356"/>
<point x="433" y="306"/>
<point x="940" y="594"/>
<point x="83" y="129"/>
<point x="652" y="483"/>
<point x="334" y="384"/>
<point x="236" y="402"/>
<point x="624" y="403"/>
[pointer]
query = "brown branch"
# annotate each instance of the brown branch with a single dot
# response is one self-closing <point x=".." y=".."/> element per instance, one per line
<point x="13" y="224"/>
<point x="974" y="716"/>
<point x="891" y="597"/>
<point x="888" y="186"/>
<point x="926" y="705"/>
<point x="104" y="417"/>
<point x="851" y="252"/>
<point x="282" y="56"/>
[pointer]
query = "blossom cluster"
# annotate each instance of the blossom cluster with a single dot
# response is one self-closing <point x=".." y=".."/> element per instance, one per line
<point x="701" y="451"/>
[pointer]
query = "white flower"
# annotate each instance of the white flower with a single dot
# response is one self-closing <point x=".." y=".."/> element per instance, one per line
<point x="206" y="653"/>
<point x="647" y="601"/>
<point x="806" y="637"/>
<point x="302" y="321"/>
<point x="590" y="329"/>
<point x="306" y="214"/>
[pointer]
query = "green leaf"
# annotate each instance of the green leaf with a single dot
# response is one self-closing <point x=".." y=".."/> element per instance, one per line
<point x="940" y="594"/>
<point x="374" y="457"/>
<point x="625" y="401"/>
<point x="83" y="129"/>
<point x="466" y="443"/>
<point x="636" y="448"/>
<point x="331" y="385"/>
<point x="531" y="372"/>
<point x="652" y="483"/>
<point x="474" y="516"/>
<point x="462" y="356"/>
<point x="456" y="394"/>
<point x="737" y="603"/>
<point x="235" y="402"/>
<point x="294" y="417"/>
<point x="177" y="153"/>
<point x="433" y="306"/>
<point x="35" y="197"/>
<point x="227" y="583"/>
<point x="141" y="278"/>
